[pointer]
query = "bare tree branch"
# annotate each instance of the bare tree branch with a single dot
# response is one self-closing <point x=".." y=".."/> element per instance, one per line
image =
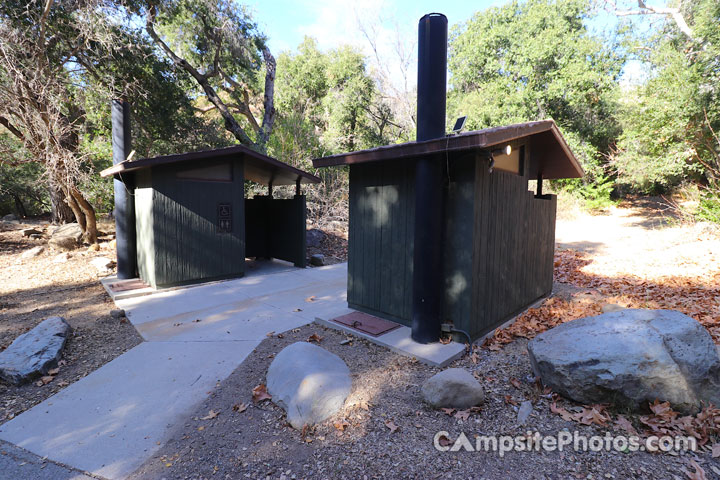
<point x="6" y="123"/>
<point x="644" y="9"/>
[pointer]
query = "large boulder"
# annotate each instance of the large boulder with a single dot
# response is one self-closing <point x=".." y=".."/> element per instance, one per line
<point x="66" y="237"/>
<point x="314" y="237"/>
<point x="308" y="382"/>
<point x="453" y="388"/>
<point x="629" y="358"/>
<point x="34" y="353"/>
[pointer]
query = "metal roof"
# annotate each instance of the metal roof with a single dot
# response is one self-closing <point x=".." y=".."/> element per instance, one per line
<point x="258" y="167"/>
<point x="550" y="153"/>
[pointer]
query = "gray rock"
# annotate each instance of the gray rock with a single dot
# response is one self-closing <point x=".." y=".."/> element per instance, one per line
<point x="314" y="237"/>
<point x="611" y="307"/>
<point x="33" y="252"/>
<point x="33" y="353"/>
<point x="103" y="264"/>
<point x="66" y="237"/>
<point x="453" y="388"/>
<point x="318" y="260"/>
<point x="62" y="257"/>
<point x="629" y="358"/>
<point x="28" y="232"/>
<point x="9" y="217"/>
<point x="524" y="412"/>
<point x="308" y="382"/>
<point x="117" y="313"/>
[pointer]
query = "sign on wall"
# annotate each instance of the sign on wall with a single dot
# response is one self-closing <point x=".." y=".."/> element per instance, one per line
<point x="224" y="218"/>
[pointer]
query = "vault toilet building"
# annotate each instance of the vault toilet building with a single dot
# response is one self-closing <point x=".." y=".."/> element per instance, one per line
<point x="444" y="229"/>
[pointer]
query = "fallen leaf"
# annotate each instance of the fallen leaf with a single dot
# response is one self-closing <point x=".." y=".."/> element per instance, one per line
<point x="474" y="357"/>
<point x="200" y="429"/>
<point x="510" y="401"/>
<point x="341" y="425"/>
<point x="515" y="383"/>
<point x="698" y="474"/>
<point x="444" y="441"/>
<point x="211" y="414"/>
<point x="391" y="425"/>
<point x="716" y="450"/>
<point x="45" y="380"/>
<point x="54" y="371"/>
<point x="625" y="424"/>
<point x="447" y="411"/>
<point x="567" y="416"/>
<point x="315" y="338"/>
<point x="270" y="334"/>
<point x="260" y="393"/>
<point x="310" y="299"/>
<point x="239" y="407"/>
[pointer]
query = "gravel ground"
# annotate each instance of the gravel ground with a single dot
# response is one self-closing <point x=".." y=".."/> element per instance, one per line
<point x="386" y="431"/>
<point x="258" y="443"/>
<point x="34" y="289"/>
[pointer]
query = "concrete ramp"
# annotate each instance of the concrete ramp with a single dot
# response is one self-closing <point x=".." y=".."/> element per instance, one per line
<point x="111" y="421"/>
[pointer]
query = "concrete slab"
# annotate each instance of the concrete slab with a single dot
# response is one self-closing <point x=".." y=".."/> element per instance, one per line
<point x="112" y="420"/>
<point x="19" y="464"/>
<point x="399" y="341"/>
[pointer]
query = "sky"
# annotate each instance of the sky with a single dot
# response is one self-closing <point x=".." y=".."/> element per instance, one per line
<point x="336" y="22"/>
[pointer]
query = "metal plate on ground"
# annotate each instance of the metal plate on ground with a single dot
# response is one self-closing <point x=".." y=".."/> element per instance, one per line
<point x="365" y="323"/>
<point x="125" y="285"/>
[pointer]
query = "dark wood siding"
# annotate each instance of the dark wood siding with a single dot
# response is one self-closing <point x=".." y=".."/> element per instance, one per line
<point x="275" y="228"/>
<point x="499" y="243"/>
<point x="458" y="247"/>
<point x="188" y="246"/>
<point x="513" y="248"/>
<point x="382" y="212"/>
<point x="144" y="226"/>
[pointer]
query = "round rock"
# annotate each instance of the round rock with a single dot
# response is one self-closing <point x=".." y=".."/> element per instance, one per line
<point x="309" y="383"/>
<point x="453" y="388"/>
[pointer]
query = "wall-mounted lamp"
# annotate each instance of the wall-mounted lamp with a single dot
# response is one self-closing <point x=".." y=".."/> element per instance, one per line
<point x="507" y="150"/>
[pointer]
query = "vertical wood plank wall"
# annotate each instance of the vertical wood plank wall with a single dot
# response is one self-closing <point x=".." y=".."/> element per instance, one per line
<point x="187" y="246"/>
<point x="275" y="228"/>
<point x="499" y="243"/>
<point x="381" y="238"/>
<point x="144" y="226"/>
<point x="513" y="248"/>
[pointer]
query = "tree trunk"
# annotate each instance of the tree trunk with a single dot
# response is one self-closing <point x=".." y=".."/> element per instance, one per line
<point x="88" y="211"/>
<point x="19" y="206"/>
<point x="61" y="212"/>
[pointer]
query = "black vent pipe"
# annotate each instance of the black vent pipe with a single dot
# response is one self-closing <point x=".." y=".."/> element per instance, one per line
<point x="428" y="282"/>
<point x="123" y="188"/>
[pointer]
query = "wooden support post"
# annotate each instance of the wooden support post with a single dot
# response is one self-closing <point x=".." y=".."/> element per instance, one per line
<point x="270" y="186"/>
<point x="298" y="191"/>
<point x="539" y="185"/>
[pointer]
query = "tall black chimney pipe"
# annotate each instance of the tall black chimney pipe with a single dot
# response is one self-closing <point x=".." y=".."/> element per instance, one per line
<point x="124" y="199"/>
<point x="429" y="208"/>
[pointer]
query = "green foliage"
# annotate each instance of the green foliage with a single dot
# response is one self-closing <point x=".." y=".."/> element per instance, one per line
<point x="709" y="206"/>
<point x="668" y="121"/>
<point x="327" y="103"/>
<point x="532" y="60"/>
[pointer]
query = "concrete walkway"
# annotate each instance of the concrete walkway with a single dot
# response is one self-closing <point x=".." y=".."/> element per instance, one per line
<point x="111" y="421"/>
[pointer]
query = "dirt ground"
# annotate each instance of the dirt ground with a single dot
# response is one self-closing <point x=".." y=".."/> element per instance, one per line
<point x="386" y="431"/>
<point x="34" y="289"/>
